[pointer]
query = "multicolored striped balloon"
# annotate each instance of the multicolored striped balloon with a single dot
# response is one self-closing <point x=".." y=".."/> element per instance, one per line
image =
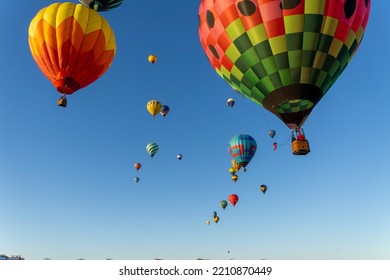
<point x="282" y="54"/>
<point x="152" y="149"/>
<point x="242" y="148"/>
<point x="164" y="110"/>
<point x="72" y="45"/>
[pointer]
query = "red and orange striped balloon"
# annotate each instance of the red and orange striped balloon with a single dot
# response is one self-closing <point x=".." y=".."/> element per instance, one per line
<point x="72" y="45"/>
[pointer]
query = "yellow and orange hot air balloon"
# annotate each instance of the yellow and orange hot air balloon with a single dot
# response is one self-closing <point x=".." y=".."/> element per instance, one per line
<point x="72" y="45"/>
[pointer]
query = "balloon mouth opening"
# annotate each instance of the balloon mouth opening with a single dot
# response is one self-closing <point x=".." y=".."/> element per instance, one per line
<point x="66" y="85"/>
<point x="295" y="105"/>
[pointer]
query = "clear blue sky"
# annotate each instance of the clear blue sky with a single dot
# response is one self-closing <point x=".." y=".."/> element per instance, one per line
<point x="66" y="174"/>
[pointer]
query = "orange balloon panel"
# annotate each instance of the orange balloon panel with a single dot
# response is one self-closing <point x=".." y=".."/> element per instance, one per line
<point x="72" y="45"/>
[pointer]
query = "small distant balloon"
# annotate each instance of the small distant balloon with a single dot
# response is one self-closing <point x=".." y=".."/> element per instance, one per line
<point x="214" y="214"/>
<point x="164" y="110"/>
<point x="216" y="219"/>
<point x="234" y="178"/>
<point x="136" y="179"/>
<point x="233" y="198"/>
<point x="230" y="102"/>
<point x="235" y="164"/>
<point x="272" y="133"/>
<point x="154" y="107"/>
<point x="152" y="58"/>
<point x="208" y="222"/>
<point x="263" y="188"/>
<point x="179" y="156"/>
<point x="137" y="166"/>
<point x="152" y="149"/>
<point x="232" y="171"/>
<point x="223" y="203"/>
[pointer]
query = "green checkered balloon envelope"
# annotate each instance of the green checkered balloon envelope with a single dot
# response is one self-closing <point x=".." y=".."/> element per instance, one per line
<point x="282" y="54"/>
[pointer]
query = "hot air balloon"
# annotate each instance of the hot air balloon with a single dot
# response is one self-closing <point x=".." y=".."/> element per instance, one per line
<point x="232" y="171"/>
<point x="282" y="54"/>
<point x="152" y="149"/>
<point x="214" y="214"/>
<point x="136" y="179"/>
<point x="223" y="203"/>
<point x="152" y="58"/>
<point x="164" y="110"/>
<point x="234" y="178"/>
<point x="154" y="107"/>
<point x="137" y="166"/>
<point x="242" y="148"/>
<point x="179" y="156"/>
<point x="263" y="188"/>
<point x="272" y="133"/>
<point x="208" y="222"/>
<point x="235" y="165"/>
<point x="233" y="198"/>
<point x="230" y="102"/>
<point x="101" y="5"/>
<point x="216" y="219"/>
<point x="72" y="45"/>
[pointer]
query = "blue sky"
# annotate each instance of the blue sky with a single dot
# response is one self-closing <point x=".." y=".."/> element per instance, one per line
<point x="66" y="174"/>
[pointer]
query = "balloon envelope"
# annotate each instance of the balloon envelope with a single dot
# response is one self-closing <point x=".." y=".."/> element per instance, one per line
<point x="223" y="203"/>
<point x="230" y="102"/>
<point x="164" y="110"/>
<point x="136" y="179"/>
<point x="235" y="165"/>
<point x="153" y="107"/>
<point x="263" y="188"/>
<point x="152" y="149"/>
<point x="72" y="45"/>
<point x="152" y="58"/>
<point x="233" y="198"/>
<point x="282" y="54"/>
<point x="137" y="166"/>
<point x="242" y="148"/>
<point x="271" y="133"/>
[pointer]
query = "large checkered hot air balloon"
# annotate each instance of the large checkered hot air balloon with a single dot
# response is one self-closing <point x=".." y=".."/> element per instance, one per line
<point x="282" y="54"/>
<point x="72" y="45"/>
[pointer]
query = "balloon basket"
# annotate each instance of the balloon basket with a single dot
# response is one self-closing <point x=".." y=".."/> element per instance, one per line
<point x="300" y="147"/>
<point x="62" y="102"/>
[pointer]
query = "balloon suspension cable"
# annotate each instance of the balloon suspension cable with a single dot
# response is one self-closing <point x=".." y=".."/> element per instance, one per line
<point x="266" y="122"/>
<point x="265" y="119"/>
<point x="288" y="140"/>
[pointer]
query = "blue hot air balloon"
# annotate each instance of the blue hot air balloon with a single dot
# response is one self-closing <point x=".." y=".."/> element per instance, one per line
<point x="242" y="148"/>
